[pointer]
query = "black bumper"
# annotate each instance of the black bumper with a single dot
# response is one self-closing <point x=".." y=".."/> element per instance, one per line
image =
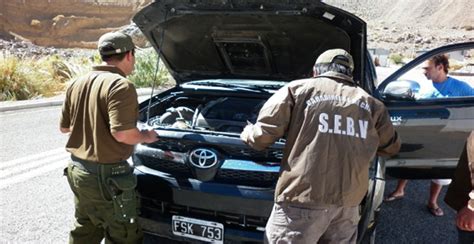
<point x="242" y="210"/>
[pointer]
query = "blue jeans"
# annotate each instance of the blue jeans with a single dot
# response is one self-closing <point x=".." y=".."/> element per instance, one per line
<point x="465" y="237"/>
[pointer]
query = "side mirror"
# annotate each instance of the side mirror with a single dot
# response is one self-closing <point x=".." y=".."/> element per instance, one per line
<point x="401" y="90"/>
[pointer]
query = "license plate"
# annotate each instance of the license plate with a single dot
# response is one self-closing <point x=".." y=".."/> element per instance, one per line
<point x="198" y="229"/>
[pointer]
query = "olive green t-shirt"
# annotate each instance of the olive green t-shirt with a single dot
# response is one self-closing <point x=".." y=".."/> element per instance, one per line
<point x="97" y="104"/>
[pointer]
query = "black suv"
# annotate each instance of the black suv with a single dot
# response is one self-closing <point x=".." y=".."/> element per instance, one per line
<point x="199" y="182"/>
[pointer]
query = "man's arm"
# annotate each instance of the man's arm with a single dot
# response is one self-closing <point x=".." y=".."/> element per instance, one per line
<point x="134" y="136"/>
<point x="272" y="121"/>
<point x="465" y="216"/>
<point x="122" y="108"/>
<point x="389" y="141"/>
<point x="65" y="120"/>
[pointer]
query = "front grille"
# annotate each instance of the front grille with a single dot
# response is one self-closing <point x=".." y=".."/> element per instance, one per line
<point x="237" y="177"/>
<point x="232" y="151"/>
<point x="164" y="165"/>
<point x="170" y="145"/>
<point x="272" y="155"/>
<point x="150" y="208"/>
<point x="253" y="178"/>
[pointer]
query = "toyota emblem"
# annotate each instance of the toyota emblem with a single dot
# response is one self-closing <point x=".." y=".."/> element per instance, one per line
<point x="203" y="158"/>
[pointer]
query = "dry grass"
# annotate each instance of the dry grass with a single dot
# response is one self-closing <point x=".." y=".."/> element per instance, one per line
<point x="29" y="77"/>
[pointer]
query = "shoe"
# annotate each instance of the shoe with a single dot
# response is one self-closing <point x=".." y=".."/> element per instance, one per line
<point x="438" y="212"/>
<point x="392" y="198"/>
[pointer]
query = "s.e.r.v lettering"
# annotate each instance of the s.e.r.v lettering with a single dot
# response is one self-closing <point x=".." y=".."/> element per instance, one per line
<point x="343" y="126"/>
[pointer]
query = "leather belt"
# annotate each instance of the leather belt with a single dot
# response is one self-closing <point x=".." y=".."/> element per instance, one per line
<point x="94" y="167"/>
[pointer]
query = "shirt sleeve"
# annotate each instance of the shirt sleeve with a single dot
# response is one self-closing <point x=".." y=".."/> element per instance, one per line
<point x="122" y="106"/>
<point x="467" y="89"/>
<point x="65" y="120"/>
<point x="272" y="121"/>
<point x="389" y="141"/>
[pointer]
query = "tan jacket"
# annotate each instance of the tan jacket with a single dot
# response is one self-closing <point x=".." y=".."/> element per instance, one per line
<point x="333" y="131"/>
<point x="461" y="190"/>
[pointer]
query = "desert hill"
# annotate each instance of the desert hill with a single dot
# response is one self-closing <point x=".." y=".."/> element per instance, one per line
<point x="401" y="26"/>
<point x="406" y="26"/>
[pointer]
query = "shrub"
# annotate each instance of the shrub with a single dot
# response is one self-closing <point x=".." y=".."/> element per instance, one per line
<point x="145" y="73"/>
<point x="28" y="77"/>
<point x="396" y="58"/>
<point x="14" y="81"/>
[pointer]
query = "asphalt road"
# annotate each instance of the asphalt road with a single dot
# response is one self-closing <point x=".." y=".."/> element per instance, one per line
<point x="408" y="220"/>
<point x="36" y="205"/>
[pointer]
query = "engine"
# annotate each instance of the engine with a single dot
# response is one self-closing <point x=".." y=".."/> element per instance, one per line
<point x="226" y="114"/>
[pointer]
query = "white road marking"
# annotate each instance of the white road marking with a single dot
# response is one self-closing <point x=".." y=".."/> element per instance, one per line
<point x="31" y="174"/>
<point x="28" y="111"/>
<point x="37" y="156"/>
<point x="22" y="169"/>
<point x="33" y="164"/>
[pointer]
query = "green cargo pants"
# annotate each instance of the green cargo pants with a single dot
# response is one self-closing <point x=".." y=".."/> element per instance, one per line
<point x="105" y="204"/>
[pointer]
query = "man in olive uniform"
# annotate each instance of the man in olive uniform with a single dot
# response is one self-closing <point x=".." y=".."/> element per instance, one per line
<point x="100" y="113"/>
<point x="333" y="130"/>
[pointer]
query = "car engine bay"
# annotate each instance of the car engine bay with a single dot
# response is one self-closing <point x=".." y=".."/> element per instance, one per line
<point x="215" y="114"/>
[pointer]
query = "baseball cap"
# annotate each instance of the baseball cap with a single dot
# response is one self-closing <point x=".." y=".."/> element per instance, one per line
<point x="115" y="43"/>
<point x="328" y="56"/>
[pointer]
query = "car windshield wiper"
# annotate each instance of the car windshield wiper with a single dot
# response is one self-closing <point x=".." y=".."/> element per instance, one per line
<point x="232" y="85"/>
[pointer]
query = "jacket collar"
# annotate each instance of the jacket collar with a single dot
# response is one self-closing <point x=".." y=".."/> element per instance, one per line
<point x="336" y="75"/>
<point x="109" y="68"/>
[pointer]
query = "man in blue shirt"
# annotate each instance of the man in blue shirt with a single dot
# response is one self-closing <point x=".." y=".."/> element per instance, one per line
<point x="436" y="70"/>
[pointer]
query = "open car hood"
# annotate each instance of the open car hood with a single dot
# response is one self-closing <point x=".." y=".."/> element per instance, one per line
<point x="266" y="40"/>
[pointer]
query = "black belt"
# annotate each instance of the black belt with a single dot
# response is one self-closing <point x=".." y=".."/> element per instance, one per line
<point x="94" y="167"/>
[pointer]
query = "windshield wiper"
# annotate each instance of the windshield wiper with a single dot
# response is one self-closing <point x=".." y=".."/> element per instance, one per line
<point x="232" y="85"/>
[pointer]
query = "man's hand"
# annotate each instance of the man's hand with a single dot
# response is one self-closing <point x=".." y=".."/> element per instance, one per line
<point x="64" y="130"/>
<point x="149" y="136"/>
<point x="246" y="133"/>
<point x="465" y="219"/>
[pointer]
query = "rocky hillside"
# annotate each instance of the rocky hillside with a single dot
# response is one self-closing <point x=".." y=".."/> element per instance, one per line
<point x="406" y="26"/>
<point x="402" y="26"/>
<point x="64" y="23"/>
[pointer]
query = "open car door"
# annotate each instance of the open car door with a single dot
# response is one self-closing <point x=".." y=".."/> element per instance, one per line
<point x="433" y="130"/>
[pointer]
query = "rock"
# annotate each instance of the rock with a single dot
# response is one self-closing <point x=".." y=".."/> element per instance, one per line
<point x="138" y="38"/>
<point x="35" y="23"/>
<point x="58" y="18"/>
<point x="468" y="27"/>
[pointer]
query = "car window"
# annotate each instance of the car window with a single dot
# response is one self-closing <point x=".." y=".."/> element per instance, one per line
<point x="429" y="80"/>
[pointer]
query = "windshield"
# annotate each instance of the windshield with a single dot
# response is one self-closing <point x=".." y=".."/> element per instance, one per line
<point x="254" y="85"/>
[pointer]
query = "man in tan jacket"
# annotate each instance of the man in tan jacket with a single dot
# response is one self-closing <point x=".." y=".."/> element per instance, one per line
<point x="460" y="194"/>
<point x="333" y="130"/>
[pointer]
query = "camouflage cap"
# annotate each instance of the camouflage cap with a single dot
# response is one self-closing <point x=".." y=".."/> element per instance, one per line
<point x="328" y="56"/>
<point x="115" y="43"/>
